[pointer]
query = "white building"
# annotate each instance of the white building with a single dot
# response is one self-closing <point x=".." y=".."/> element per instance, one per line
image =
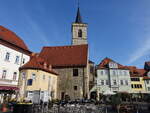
<point x="146" y="78"/>
<point x="13" y="54"/>
<point x="112" y="77"/>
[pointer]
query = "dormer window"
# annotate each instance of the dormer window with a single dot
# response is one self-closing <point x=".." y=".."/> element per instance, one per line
<point x="79" y="33"/>
<point x="113" y="65"/>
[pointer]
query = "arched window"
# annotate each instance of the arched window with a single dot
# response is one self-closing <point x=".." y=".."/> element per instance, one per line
<point x="80" y="33"/>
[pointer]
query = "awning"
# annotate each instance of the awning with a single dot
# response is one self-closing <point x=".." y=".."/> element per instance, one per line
<point x="8" y="88"/>
<point x="94" y="88"/>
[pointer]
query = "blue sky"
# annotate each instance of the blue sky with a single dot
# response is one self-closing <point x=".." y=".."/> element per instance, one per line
<point x="119" y="29"/>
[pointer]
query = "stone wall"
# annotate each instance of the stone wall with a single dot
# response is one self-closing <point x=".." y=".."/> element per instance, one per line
<point x="67" y="82"/>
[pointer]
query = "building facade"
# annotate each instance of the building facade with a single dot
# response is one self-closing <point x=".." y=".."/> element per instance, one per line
<point x="71" y="63"/>
<point x="113" y="77"/>
<point x="13" y="54"/>
<point x="137" y="81"/>
<point x="38" y="82"/>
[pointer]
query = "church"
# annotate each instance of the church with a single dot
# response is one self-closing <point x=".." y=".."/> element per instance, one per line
<point x="76" y="72"/>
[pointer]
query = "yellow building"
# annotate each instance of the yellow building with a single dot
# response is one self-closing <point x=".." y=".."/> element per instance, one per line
<point x="137" y="82"/>
<point x="38" y="82"/>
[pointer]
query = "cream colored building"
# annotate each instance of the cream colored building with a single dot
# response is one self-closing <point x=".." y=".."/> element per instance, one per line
<point x="38" y="81"/>
<point x="137" y="82"/>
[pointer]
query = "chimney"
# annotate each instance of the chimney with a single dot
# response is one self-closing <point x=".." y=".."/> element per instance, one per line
<point x="50" y="67"/>
<point x="45" y="65"/>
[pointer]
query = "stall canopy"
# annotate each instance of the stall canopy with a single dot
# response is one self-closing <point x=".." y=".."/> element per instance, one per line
<point x="8" y="88"/>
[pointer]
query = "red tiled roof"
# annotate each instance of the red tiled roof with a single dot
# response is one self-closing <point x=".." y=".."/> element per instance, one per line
<point x="104" y="64"/>
<point x="11" y="37"/>
<point x="134" y="72"/>
<point x="146" y="78"/>
<point x="38" y="63"/>
<point x="60" y="56"/>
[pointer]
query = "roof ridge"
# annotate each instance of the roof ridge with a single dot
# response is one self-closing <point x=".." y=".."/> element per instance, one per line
<point x="64" y="46"/>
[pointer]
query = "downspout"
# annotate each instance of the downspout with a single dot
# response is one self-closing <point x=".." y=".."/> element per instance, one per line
<point x="109" y="79"/>
<point x="83" y="83"/>
<point x="19" y="76"/>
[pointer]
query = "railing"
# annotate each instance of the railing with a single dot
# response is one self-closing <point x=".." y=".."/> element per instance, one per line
<point x="76" y="109"/>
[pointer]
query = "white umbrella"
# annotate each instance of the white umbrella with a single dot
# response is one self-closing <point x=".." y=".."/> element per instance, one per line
<point x="108" y="92"/>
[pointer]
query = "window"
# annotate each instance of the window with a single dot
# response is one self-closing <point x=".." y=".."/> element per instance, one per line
<point x="135" y="79"/>
<point x="79" y="33"/>
<point x="43" y="77"/>
<point x="33" y="76"/>
<point x="17" y="60"/>
<point x="148" y="88"/>
<point x="23" y="61"/>
<point x="121" y="82"/>
<point x="106" y="72"/>
<point x="147" y="81"/>
<point x="75" y="72"/>
<point x="126" y="81"/>
<point x="125" y="73"/>
<point x="4" y="74"/>
<point x="30" y="94"/>
<point x="75" y="87"/>
<point x="29" y="82"/>
<point x="7" y="57"/>
<point x="135" y="86"/>
<point x="102" y="73"/>
<point x="120" y="72"/>
<point x="132" y="85"/>
<point x="15" y="76"/>
<point x="49" y="79"/>
<point x="114" y="72"/>
<point x="23" y="75"/>
<point x="102" y="82"/>
<point x="91" y="69"/>
<point x="140" y="86"/>
<point x="114" y="81"/>
<point x="107" y="82"/>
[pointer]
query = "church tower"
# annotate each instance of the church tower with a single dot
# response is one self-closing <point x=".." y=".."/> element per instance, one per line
<point x="79" y="31"/>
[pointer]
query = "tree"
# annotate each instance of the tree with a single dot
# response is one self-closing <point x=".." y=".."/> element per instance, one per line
<point x="116" y="101"/>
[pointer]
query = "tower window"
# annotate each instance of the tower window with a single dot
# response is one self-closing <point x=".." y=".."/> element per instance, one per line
<point x="80" y="33"/>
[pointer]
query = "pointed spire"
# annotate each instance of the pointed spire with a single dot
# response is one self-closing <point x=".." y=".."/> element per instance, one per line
<point x="78" y="17"/>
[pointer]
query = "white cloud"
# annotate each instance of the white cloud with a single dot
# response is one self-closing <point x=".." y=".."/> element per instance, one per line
<point x="143" y="50"/>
